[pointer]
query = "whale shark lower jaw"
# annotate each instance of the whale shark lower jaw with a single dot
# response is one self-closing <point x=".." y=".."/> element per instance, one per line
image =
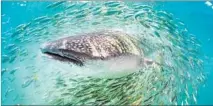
<point x="64" y="58"/>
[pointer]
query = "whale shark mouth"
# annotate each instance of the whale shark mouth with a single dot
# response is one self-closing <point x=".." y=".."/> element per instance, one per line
<point x="64" y="58"/>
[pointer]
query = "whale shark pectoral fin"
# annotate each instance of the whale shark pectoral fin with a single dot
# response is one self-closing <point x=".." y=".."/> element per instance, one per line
<point x="148" y="62"/>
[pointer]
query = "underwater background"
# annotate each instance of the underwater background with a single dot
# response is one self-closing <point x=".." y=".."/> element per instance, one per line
<point x="30" y="78"/>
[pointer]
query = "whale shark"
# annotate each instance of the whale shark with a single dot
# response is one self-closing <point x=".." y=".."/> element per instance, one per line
<point x="116" y="53"/>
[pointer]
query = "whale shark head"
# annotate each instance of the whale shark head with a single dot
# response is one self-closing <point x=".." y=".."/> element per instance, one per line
<point x="66" y="50"/>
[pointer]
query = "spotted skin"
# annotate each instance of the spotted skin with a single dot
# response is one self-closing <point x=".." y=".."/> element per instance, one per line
<point x="100" y="45"/>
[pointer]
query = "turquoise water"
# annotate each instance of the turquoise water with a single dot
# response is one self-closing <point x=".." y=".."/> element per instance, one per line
<point x="28" y="77"/>
<point x="198" y="18"/>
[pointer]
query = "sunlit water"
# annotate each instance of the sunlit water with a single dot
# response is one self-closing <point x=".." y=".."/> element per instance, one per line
<point x="29" y="77"/>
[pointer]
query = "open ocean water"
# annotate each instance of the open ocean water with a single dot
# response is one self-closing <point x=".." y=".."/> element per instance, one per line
<point x="179" y="35"/>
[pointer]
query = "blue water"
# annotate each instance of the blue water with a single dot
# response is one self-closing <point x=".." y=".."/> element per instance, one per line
<point x="197" y="16"/>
